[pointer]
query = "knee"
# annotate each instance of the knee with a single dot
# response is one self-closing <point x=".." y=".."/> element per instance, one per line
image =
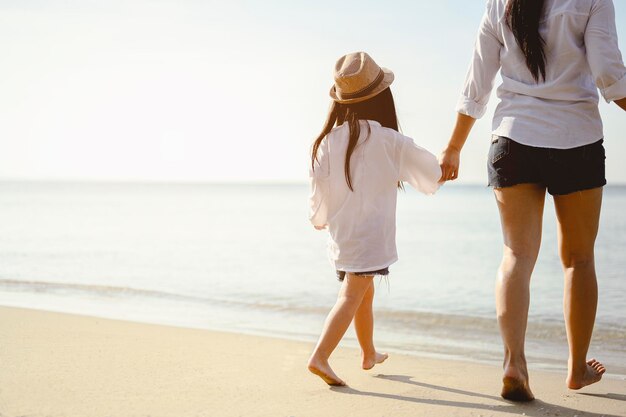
<point x="522" y="252"/>
<point x="577" y="260"/>
<point x="517" y="262"/>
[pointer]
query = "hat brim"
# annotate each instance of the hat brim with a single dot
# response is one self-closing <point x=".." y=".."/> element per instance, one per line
<point x="385" y="83"/>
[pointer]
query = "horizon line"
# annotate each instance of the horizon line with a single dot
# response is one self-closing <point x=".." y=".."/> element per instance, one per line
<point x="264" y="182"/>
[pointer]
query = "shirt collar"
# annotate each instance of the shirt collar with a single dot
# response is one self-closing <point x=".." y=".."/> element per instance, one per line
<point x="371" y="122"/>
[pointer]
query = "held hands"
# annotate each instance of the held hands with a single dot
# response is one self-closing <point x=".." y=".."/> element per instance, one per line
<point x="449" y="161"/>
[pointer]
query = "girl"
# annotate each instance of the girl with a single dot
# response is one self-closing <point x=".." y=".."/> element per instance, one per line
<point x="356" y="169"/>
<point x="547" y="136"/>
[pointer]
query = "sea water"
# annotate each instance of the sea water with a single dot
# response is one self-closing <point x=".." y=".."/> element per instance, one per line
<point x="244" y="258"/>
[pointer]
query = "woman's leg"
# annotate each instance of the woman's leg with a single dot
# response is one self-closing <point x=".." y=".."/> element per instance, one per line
<point x="364" y="326"/>
<point x="350" y="296"/>
<point x="578" y="217"/>
<point x="521" y="214"/>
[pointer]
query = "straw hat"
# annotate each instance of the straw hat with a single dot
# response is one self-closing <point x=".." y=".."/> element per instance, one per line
<point x="358" y="77"/>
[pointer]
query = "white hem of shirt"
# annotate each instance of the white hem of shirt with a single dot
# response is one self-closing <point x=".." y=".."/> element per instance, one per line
<point x="365" y="269"/>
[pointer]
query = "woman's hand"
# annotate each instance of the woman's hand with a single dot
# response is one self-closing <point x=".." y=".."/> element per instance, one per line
<point x="451" y="156"/>
<point x="449" y="161"/>
<point x="321" y="227"/>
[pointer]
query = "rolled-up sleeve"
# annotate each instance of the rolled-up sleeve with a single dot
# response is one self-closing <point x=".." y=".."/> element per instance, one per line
<point x="419" y="167"/>
<point x="320" y="187"/>
<point x="483" y="68"/>
<point x="603" y="54"/>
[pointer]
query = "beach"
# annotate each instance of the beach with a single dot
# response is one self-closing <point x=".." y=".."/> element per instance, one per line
<point x="200" y="256"/>
<point x="56" y="364"/>
<point x="159" y="249"/>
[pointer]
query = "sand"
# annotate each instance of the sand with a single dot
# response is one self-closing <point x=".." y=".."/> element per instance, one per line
<point x="59" y="365"/>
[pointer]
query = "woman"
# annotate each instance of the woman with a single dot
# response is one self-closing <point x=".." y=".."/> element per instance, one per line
<point x="553" y="55"/>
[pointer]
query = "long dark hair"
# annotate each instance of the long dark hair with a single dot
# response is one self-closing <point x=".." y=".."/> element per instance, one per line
<point x="522" y="17"/>
<point x="380" y="108"/>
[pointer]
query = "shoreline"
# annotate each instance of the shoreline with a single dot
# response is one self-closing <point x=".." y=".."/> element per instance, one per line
<point x="73" y="365"/>
<point x="455" y="337"/>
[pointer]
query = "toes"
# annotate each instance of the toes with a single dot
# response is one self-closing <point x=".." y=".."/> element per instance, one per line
<point x="597" y="366"/>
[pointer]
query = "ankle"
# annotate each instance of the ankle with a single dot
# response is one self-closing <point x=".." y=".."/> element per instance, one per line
<point x="577" y="368"/>
<point x="317" y="359"/>
<point x="517" y="361"/>
<point x="369" y="353"/>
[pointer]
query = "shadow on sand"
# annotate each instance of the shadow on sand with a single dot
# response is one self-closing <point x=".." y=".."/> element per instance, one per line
<point x="610" y="395"/>
<point x="536" y="408"/>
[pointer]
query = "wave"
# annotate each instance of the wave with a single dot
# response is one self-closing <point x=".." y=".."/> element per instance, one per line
<point x="65" y="288"/>
<point x="61" y="288"/>
<point x="436" y="324"/>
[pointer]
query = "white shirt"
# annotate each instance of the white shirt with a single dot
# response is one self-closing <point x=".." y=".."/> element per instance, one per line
<point x="362" y="223"/>
<point x="582" y="55"/>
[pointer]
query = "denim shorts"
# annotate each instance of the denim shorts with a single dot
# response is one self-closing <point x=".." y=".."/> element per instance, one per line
<point x="342" y="274"/>
<point x="561" y="171"/>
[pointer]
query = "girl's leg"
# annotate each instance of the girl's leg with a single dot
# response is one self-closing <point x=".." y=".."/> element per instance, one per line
<point x="364" y="326"/>
<point x="350" y="296"/>
<point x="521" y="214"/>
<point x="578" y="217"/>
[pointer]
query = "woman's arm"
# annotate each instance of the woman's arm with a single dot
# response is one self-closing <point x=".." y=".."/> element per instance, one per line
<point x="479" y="83"/>
<point x="451" y="156"/>
<point x="603" y="54"/>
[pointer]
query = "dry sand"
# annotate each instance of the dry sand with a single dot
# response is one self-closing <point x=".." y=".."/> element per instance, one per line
<point x="58" y="365"/>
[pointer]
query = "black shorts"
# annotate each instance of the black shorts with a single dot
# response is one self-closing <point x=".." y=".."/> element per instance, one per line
<point x="561" y="171"/>
<point x="342" y="274"/>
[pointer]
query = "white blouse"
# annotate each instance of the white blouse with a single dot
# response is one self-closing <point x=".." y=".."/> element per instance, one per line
<point x="362" y="223"/>
<point x="582" y="55"/>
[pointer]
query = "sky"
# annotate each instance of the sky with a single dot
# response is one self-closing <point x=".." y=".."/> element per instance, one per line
<point x="204" y="90"/>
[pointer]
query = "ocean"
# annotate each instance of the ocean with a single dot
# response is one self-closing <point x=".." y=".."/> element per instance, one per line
<point x="243" y="258"/>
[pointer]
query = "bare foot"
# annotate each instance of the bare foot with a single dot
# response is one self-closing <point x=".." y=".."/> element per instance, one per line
<point x="370" y="361"/>
<point x="515" y="386"/>
<point x="324" y="371"/>
<point x="592" y="374"/>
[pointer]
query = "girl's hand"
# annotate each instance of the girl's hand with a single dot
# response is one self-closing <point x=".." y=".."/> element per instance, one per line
<point x="320" y="227"/>
<point x="449" y="161"/>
